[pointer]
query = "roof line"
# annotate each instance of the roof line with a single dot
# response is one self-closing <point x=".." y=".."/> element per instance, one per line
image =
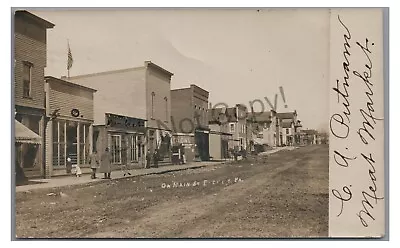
<point x="107" y="72"/>
<point x="148" y="63"/>
<point x="69" y="83"/>
<point x="35" y="18"/>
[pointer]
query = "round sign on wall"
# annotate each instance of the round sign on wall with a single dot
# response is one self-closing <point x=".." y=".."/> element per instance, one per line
<point x="75" y="112"/>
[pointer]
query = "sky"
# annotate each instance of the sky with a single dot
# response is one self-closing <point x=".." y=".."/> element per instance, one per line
<point x="238" y="55"/>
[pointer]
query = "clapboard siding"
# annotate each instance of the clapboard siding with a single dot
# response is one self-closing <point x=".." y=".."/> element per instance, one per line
<point x="32" y="51"/>
<point x="66" y="98"/>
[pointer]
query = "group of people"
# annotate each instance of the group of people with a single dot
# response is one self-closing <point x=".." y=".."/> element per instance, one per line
<point x="103" y="164"/>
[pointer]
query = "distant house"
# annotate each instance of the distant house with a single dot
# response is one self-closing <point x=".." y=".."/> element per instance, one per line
<point x="289" y="131"/>
<point x="263" y="128"/>
<point x="310" y="136"/>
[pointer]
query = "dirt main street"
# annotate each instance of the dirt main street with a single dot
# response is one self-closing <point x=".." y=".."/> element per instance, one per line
<point x="282" y="195"/>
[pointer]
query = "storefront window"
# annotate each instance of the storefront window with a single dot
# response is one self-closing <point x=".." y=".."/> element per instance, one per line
<point x="66" y="143"/>
<point x="116" y="149"/>
<point x="55" y="154"/>
<point x="83" y="143"/>
<point x="132" y="148"/>
<point x="58" y="143"/>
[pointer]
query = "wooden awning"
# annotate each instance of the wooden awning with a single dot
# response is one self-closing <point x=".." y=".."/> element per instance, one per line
<point x="24" y="135"/>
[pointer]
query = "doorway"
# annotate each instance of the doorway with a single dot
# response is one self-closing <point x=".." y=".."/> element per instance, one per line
<point x="72" y="141"/>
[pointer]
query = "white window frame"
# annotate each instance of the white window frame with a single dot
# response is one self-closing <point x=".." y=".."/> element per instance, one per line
<point x="133" y="151"/>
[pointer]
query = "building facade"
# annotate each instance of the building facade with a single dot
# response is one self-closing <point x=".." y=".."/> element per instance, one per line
<point x="30" y="42"/>
<point x="125" y="137"/>
<point x="140" y="96"/>
<point x="234" y="120"/>
<point x="69" y="131"/>
<point x="219" y="141"/>
<point x="189" y="108"/>
<point x="289" y="130"/>
<point x="264" y="128"/>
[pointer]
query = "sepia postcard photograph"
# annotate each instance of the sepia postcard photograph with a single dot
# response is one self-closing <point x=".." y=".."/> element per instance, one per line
<point x="188" y="123"/>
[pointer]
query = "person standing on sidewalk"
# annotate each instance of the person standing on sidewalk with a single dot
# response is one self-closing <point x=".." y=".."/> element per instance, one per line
<point x="148" y="159"/>
<point x="156" y="157"/>
<point x="105" y="166"/>
<point x="94" y="163"/>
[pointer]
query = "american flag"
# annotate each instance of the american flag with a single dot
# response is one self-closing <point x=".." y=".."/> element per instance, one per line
<point x="70" y="59"/>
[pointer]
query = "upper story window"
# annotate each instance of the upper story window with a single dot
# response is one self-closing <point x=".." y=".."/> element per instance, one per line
<point x="27" y="79"/>
<point x="232" y="127"/>
<point x="153" y="95"/>
<point x="287" y="130"/>
<point x="166" y="108"/>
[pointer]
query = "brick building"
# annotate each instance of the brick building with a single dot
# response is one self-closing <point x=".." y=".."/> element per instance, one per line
<point x="189" y="108"/>
<point x="30" y="39"/>
<point x="70" y="134"/>
<point x="137" y="96"/>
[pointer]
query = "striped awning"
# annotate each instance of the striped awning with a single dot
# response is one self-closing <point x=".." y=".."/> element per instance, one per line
<point x="24" y="135"/>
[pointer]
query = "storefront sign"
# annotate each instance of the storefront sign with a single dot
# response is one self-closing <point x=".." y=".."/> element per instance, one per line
<point x="119" y="121"/>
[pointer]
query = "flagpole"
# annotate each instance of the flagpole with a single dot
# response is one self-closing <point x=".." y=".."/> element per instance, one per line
<point x="67" y="61"/>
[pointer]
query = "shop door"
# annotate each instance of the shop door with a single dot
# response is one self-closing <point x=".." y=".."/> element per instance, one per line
<point x="72" y="141"/>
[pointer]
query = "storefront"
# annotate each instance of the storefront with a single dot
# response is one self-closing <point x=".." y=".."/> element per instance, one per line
<point x="187" y="141"/>
<point x="71" y="139"/>
<point x="31" y="153"/>
<point x="201" y="137"/>
<point x="25" y="140"/>
<point x="125" y="138"/>
<point x="219" y="145"/>
<point x="162" y="140"/>
<point x="69" y="126"/>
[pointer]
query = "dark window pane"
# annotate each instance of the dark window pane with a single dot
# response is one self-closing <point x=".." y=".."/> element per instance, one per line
<point x="62" y="131"/>
<point x="55" y="131"/>
<point x="55" y="155"/>
<point x="82" y="155"/>
<point x="27" y="72"/>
